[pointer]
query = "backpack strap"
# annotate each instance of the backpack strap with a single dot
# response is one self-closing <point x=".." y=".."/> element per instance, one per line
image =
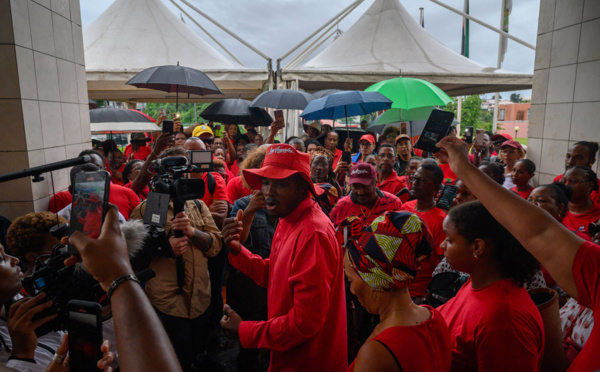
<point x="212" y="184"/>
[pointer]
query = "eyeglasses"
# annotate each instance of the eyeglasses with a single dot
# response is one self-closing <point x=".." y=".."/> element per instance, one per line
<point x="508" y="151"/>
<point x="420" y="181"/>
<point x="406" y="144"/>
<point x="365" y="144"/>
<point x="208" y="141"/>
<point x="572" y="181"/>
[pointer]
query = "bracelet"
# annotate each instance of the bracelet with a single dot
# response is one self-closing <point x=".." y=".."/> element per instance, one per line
<point x="120" y="280"/>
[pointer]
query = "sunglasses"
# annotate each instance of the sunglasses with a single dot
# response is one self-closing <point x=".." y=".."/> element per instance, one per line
<point x="208" y="141"/>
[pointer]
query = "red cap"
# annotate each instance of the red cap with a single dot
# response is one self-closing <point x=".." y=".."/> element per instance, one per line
<point x="401" y="137"/>
<point x="363" y="173"/>
<point x="511" y="143"/>
<point x="368" y="138"/>
<point x="94" y="198"/>
<point x="281" y="161"/>
<point x="502" y="135"/>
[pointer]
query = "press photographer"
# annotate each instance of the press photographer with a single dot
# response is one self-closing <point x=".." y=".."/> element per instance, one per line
<point x="182" y="310"/>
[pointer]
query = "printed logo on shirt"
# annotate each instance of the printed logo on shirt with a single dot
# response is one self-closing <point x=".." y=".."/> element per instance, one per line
<point x="279" y="150"/>
<point x="581" y="228"/>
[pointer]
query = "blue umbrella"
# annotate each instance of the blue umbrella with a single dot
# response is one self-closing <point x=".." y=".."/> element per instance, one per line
<point x="344" y="104"/>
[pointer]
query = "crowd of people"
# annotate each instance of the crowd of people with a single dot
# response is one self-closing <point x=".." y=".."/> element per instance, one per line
<point x="317" y="263"/>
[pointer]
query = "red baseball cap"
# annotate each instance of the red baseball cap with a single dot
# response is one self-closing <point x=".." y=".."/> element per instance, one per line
<point x="363" y="173"/>
<point x="402" y="136"/>
<point x="511" y="143"/>
<point x="368" y="138"/>
<point x="502" y="135"/>
<point x="281" y="161"/>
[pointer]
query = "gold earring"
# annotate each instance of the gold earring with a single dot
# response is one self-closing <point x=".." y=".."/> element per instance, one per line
<point x="475" y="255"/>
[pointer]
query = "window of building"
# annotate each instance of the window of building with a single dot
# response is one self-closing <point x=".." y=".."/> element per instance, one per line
<point x="501" y="114"/>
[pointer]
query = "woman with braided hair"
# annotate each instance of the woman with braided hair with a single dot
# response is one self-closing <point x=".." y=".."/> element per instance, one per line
<point x="582" y="209"/>
<point x="381" y="261"/>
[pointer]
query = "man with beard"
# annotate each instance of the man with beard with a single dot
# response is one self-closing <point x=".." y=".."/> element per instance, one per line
<point x="306" y="329"/>
<point x="425" y="186"/>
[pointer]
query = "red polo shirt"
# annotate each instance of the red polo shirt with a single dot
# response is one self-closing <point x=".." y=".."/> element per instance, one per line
<point x="347" y="206"/>
<point x="393" y="184"/>
<point x="304" y="276"/>
<point x="449" y="176"/>
<point x="580" y="222"/>
<point x="434" y="219"/>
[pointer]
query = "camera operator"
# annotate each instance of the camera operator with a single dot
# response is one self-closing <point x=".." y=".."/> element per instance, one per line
<point x="184" y="315"/>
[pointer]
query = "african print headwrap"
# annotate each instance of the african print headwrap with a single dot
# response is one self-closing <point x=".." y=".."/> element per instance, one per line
<point x="388" y="253"/>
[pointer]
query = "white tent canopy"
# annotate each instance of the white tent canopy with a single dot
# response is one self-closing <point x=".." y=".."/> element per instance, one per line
<point x="132" y="35"/>
<point x="386" y="42"/>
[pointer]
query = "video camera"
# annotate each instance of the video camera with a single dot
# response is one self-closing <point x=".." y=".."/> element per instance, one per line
<point x="64" y="283"/>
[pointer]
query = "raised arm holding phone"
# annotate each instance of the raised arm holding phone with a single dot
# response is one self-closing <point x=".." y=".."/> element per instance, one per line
<point x="572" y="262"/>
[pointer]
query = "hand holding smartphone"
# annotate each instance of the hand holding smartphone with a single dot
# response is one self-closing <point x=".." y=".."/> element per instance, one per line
<point x="447" y="196"/>
<point x="168" y="126"/>
<point x="435" y="129"/>
<point x="90" y="202"/>
<point x="85" y="335"/>
<point x="479" y="137"/>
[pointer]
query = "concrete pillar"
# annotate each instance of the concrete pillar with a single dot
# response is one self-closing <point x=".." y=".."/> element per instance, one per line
<point x="566" y="83"/>
<point x="43" y="97"/>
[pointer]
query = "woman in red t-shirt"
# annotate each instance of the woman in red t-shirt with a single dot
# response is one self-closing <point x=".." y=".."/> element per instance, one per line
<point x="572" y="262"/>
<point x="492" y="319"/>
<point x="582" y="210"/>
<point x="381" y="261"/>
<point x="130" y="172"/>
<point x="521" y="174"/>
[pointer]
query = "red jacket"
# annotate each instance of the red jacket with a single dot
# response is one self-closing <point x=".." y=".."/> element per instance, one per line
<point x="304" y="275"/>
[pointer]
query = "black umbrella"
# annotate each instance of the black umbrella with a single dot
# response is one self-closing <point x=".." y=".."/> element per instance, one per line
<point x="325" y="92"/>
<point x="283" y="99"/>
<point x="117" y="115"/>
<point x="236" y="111"/>
<point x="175" y="79"/>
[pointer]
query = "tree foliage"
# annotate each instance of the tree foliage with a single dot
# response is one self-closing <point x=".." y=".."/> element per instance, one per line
<point x="186" y="111"/>
<point x="516" y="98"/>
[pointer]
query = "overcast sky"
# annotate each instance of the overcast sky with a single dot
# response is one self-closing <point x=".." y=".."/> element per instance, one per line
<point x="275" y="26"/>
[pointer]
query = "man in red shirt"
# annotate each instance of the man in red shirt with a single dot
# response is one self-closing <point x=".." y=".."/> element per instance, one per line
<point x="306" y="329"/>
<point x="425" y="186"/>
<point x="137" y="148"/>
<point x="331" y="143"/>
<point x="387" y="179"/>
<point x="365" y="200"/>
<point x="125" y="199"/>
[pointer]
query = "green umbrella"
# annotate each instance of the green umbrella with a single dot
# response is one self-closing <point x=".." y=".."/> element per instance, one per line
<point x="409" y="93"/>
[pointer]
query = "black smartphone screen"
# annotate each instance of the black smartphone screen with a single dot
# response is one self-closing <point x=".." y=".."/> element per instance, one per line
<point x="167" y="126"/>
<point x="346" y="157"/>
<point x="90" y="201"/>
<point x="469" y="134"/>
<point x="85" y="335"/>
<point x="435" y="129"/>
<point x="448" y="194"/>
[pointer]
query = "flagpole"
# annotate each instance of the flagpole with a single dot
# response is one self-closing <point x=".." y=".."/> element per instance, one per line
<point x="465" y="53"/>
<point x="499" y="65"/>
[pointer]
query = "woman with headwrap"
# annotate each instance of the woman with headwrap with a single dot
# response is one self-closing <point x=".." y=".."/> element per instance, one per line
<point x="381" y="261"/>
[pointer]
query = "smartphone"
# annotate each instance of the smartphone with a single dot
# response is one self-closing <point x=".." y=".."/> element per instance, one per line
<point x="435" y="129"/>
<point x="85" y="335"/>
<point x="469" y="134"/>
<point x="479" y="137"/>
<point x="162" y="112"/>
<point x="90" y="202"/>
<point x="447" y="196"/>
<point x="347" y="157"/>
<point x="279" y="115"/>
<point x="167" y="126"/>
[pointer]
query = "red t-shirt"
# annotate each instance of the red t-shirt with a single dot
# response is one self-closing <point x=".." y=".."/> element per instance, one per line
<point x="595" y="195"/>
<point x="141" y="154"/>
<point x="494" y="328"/>
<point x="523" y="194"/>
<point x="235" y="169"/>
<point x="220" y="189"/>
<point x="144" y="194"/>
<point x="113" y="179"/>
<point x="586" y="267"/>
<point x="424" y="347"/>
<point x="393" y="184"/>
<point x="236" y="189"/>
<point x="347" y="206"/>
<point x="433" y="219"/>
<point x="125" y="199"/>
<point x="336" y="157"/>
<point x="449" y="176"/>
<point x="580" y="222"/>
<point x="63" y="198"/>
